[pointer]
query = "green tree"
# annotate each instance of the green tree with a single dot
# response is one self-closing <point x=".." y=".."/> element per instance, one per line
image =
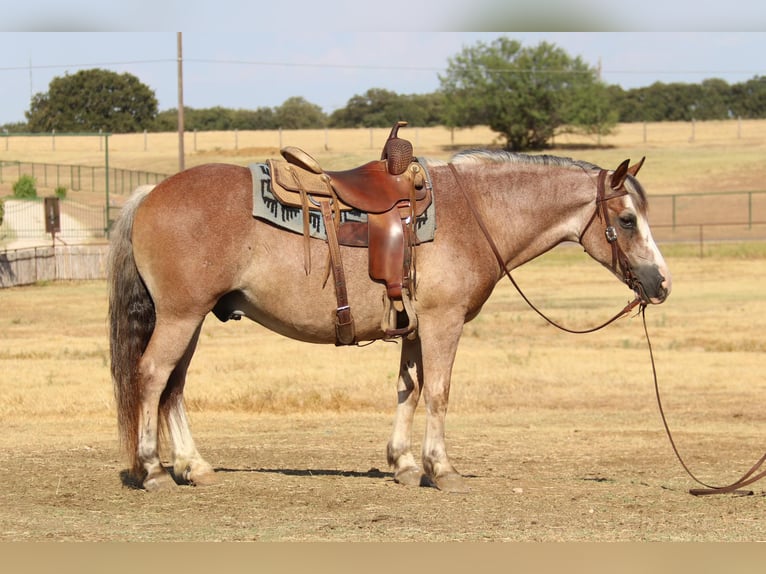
<point x="591" y="111"/>
<point x="14" y="127"/>
<point x="525" y="94"/>
<point x="93" y="100"/>
<point x="258" y="119"/>
<point x="382" y="108"/>
<point x="371" y="109"/>
<point x="713" y="99"/>
<point x="748" y="99"/>
<point x="296" y="113"/>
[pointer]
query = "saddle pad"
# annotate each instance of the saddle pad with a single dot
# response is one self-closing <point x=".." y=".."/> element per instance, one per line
<point x="267" y="207"/>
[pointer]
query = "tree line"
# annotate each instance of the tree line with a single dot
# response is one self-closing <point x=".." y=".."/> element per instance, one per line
<point x="526" y="94"/>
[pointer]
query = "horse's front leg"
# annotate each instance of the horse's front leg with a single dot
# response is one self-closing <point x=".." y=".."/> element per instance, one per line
<point x="406" y="470"/>
<point x="439" y="340"/>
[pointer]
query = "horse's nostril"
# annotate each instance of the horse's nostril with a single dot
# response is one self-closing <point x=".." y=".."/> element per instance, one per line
<point x="666" y="285"/>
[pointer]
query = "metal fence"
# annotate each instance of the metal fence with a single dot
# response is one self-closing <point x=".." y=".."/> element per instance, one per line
<point x="79" y="177"/>
<point x="24" y="223"/>
<point x="705" y="217"/>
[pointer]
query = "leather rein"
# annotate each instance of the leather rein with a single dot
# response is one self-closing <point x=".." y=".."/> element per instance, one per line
<point x="619" y="259"/>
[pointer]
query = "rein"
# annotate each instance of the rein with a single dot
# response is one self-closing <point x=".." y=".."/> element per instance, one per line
<point x="734" y="488"/>
<point x="619" y="258"/>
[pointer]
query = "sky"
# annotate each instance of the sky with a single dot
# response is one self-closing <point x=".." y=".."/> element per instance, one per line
<point x="244" y="69"/>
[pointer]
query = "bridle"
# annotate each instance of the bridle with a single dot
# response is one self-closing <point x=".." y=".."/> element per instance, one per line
<point x="618" y="255"/>
<point x="619" y="260"/>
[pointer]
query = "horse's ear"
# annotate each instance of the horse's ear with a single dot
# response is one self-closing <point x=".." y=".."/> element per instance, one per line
<point x="619" y="175"/>
<point x="633" y="169"/>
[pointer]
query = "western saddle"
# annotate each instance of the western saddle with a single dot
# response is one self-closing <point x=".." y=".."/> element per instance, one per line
<point x="393" y="192"/>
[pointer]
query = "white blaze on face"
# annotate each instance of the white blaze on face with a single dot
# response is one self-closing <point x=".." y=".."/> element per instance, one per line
<point x="650" y="253"/>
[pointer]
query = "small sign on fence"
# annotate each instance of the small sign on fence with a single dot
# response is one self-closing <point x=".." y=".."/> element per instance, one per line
<point x="52" y="215"/>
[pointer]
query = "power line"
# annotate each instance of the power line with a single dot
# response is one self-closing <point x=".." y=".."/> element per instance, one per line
<point x="91" y="65"/>
<point x="368" y="67"/>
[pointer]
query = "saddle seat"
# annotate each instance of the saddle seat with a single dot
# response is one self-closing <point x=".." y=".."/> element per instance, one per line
<point x="392" y="191"/>
<point x="370" y="187"/>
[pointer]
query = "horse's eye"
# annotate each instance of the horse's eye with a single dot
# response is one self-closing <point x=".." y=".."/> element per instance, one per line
<point x="628" y="221"/>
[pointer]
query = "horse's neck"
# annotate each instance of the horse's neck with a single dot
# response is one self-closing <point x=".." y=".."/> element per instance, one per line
<point x="529" y="209"/>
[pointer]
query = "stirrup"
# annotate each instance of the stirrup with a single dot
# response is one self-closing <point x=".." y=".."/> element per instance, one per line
<point x="392" y="314"/>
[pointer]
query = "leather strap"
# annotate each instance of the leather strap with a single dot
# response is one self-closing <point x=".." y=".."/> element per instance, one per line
<point x="627" y="309"/>
<point x="344" y="322"/>
<point x="619" y="259"/>
<point x="735" y="487"/>
<point x="305" y="210"/>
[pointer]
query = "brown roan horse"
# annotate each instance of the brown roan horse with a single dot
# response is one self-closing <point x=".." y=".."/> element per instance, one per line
<point x="192" y="246"/>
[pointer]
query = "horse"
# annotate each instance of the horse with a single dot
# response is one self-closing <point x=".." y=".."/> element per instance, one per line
<point x="191" y="246"/>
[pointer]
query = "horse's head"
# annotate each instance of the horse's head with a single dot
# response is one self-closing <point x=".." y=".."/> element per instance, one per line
<point x="618" y="234"/>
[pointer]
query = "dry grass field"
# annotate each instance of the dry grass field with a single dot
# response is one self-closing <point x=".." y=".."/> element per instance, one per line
<point x="559" y="435"/>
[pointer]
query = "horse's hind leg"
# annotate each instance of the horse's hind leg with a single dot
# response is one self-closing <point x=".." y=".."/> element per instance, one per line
<point x="167" y="347"/>
<point x="188" y="465"/>
<point x="399" y="450"/>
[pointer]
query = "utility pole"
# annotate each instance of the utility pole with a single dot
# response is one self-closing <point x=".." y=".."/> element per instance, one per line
<point x="599" y="108"/>
<point x="180" y="104"/>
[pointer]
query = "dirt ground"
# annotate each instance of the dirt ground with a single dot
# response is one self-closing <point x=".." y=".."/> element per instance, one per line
<point x="559" y="435"/>
<point x="282" y="479"/>
<point x="324" y="478"/>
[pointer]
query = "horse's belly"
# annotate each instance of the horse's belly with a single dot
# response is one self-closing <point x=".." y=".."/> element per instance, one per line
<point x="276" y="292"/>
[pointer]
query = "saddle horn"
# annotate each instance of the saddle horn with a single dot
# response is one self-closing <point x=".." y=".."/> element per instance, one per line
<point x="397" y="151"/>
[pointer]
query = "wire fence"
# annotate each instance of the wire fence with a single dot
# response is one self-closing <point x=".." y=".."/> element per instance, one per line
<point x="78" y="177"/>
<point x="738" y="215"/>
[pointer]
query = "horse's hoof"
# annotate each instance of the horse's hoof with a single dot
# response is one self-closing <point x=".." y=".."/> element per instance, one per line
<point x="159" y="482"/>
<point x="450" y="483"/>
<point x="202" y="478"/>
<point x="196" y="474"/>
<point x="408" y="476"/>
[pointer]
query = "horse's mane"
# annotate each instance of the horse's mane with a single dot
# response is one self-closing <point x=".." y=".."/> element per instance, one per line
<point x="502" y="156"/>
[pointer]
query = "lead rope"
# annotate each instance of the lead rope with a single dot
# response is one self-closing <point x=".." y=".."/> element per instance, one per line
<point x="748" y="478"/>
<point x="625" y="310"/>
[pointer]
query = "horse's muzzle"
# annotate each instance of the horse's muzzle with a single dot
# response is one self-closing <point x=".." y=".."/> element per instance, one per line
<point x="650" y="284"/>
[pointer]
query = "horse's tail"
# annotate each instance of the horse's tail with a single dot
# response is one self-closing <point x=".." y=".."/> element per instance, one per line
<point x="131" y="323"/>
